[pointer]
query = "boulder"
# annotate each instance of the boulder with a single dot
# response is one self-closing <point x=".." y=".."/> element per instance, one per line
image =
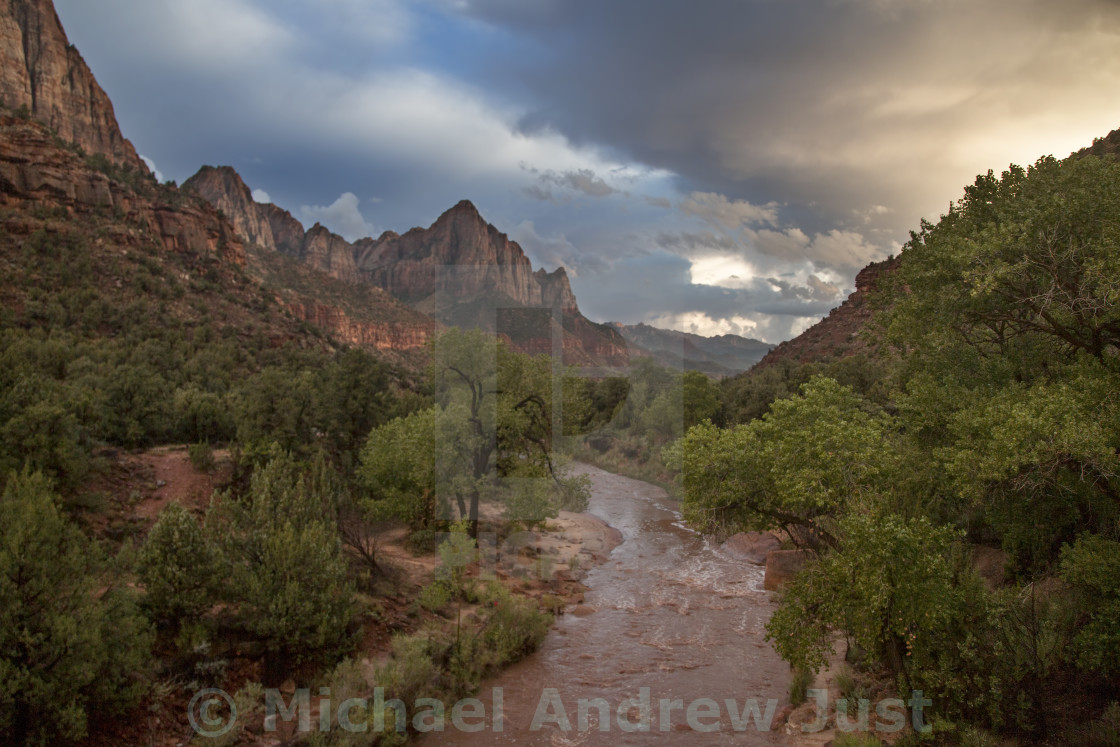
<point x="752" y="547"/>
<point x="781" y="566"/>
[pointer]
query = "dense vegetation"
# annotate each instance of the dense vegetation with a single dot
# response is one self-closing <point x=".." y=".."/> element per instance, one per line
<point x="994" y="421"/>
<point x="110" y="344"/>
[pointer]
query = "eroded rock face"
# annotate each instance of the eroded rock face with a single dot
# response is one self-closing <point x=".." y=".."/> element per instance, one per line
<point x="461" y="268"/>
<point x="41" y="70"/>
<point x="224" y="189"/>
<point x="272" y="228"/>
<point x="462" y="256"/>
<point x="369" y="335"/>
<point x="34" y="168"/>
<point x="329" y="253"/>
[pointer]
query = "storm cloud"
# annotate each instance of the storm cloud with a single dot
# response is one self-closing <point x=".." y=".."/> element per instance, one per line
<point x="715" y="167"/>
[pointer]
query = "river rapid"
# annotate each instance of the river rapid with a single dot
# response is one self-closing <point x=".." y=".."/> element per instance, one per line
<point x="671" y="623"/>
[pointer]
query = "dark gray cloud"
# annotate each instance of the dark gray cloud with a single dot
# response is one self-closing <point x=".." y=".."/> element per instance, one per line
<point x="846" y="104"/>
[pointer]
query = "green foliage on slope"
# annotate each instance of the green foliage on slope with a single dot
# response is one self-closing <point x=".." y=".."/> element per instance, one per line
<point x="994" y="422"/>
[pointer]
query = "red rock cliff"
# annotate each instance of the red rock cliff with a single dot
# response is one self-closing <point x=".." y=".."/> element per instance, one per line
<point x="42" y="71"/>
<point x="272" y="228"/>
<point x="463" y="256"/>
<point x="33" y="168"/>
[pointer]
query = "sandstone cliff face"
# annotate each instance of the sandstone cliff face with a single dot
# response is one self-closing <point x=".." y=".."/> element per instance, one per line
<point x="330" y="253"/>
<point x="224" y="189"/>
<point x="272" y="228"/>
<point x="40" y="70"/>
<point x="34" y="169"/>
<point x="461" y="256"/>
<point x="368" y="335"/>
<point x="461" y="268"/>
<point x="287" y="232"/>
<point x="838" y="334"/>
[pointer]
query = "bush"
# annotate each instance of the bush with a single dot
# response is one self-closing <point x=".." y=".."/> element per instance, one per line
<point x="855" y="740"/>
<point x="421" y="542"/>
<point x="435" y="596"/>
<point x="66" y="651"/>
<point x="288" y="573"/>
<point x="179" y="568"/>
<point x="1091" y="566"/>
<point x="201" y="456"/>
<point x="799" y="686"/>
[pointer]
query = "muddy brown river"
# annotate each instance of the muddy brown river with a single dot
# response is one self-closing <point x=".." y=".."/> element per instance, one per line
<point x="673" y="651"/>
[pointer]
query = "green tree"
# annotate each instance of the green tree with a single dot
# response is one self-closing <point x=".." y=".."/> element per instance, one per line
<point x="1091" y="566"/>
<point x="700" y="398"/>
<point x="1031" y="253"/>
<point x="353" y="395"/>
<point x="495" y="427"/>
<point x="798" y="468"/>
<point x="892" y="588"/>
<point x="286" y="571"/>
<point x="67" y="648"/>
<point x="179" y="568"/>
<point x="398" y="470"/>
<point x="276" y="405"/>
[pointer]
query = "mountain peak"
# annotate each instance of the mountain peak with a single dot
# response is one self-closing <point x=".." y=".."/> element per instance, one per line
<point x="462" y="211"/>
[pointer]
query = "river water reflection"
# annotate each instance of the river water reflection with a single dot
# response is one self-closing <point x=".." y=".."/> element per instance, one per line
<point x="672" y="613"/>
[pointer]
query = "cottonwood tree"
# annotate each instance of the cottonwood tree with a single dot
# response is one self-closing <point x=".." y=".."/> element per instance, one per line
<point x="797" y="468"/>
<point x="489" y="436"/>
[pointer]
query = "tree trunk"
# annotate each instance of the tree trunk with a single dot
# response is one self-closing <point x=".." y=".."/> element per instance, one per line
<point x="472" y="523"/>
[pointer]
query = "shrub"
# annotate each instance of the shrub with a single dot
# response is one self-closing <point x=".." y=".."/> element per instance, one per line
<point x="799" y="685"/>
<point x="288" y="573"/>
<point x="1092" y="567"/>
<point x="179" y="568"/>
<point x="201" y="456"/>
<point x="65" y="650"/>
<point x="855" y="740"/>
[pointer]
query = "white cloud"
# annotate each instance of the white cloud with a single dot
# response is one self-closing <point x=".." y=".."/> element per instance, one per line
<point x="722" y="271"/>
<point x="207" y="36"/>
<point x="435" y="122"/>
<point x="342" y="216"/>
<point x="259" y="195"/>
<point x="771" y="328"/>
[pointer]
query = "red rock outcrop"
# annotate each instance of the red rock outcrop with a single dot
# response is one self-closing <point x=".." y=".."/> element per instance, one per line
<point x="462" y="256"/>
<point x="34" y="168"/>
<point x="462" y="268"/>
<point x="838" y="335"/>
<point x="370" y="335"/>
<point x="224" y="189"/>
<point x="287" y="232"/>
<point x="272" y="228"/>
<point x="330" y="253"/>
<point x="42" y="71"/>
